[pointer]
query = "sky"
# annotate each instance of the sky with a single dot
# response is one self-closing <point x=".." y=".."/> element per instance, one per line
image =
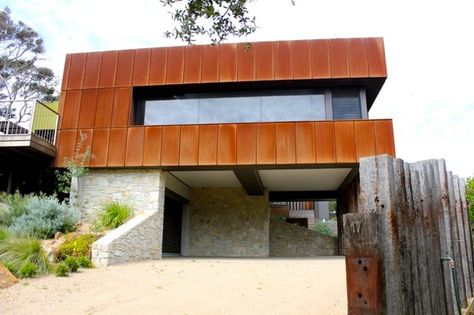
<point x="429" y="47"/>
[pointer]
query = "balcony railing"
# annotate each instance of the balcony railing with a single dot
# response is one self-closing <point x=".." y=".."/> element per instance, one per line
<point x="28" y="117"/>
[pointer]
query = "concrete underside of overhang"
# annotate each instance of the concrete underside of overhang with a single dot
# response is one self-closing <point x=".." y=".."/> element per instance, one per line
<point x="281" y="183"/>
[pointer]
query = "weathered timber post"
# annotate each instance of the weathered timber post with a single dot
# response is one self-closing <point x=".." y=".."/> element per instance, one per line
<point x="364" y="267"/>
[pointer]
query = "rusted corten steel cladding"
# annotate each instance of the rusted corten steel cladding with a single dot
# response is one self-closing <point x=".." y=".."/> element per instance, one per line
<point x="96" y="101"/>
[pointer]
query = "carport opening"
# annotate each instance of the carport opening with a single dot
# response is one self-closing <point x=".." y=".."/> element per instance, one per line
<point x="303" y="228"/>
<point x="172" y="226"/>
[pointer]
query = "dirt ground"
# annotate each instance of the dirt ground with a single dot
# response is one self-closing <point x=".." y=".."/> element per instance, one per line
<point x="189" y="286"/>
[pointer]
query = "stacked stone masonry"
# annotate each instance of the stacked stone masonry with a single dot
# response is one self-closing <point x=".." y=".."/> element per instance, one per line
<point x="226" y="222"/>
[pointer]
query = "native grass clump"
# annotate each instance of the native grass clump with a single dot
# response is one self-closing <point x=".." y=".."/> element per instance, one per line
<point x="112" y="215"/>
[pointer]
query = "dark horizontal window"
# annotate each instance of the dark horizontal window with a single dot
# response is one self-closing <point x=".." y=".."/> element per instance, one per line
<point x="346" y="104"/>
<point x="234" y="107"/>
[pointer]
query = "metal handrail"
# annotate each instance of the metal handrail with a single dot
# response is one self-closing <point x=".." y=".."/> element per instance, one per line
<point x="41" y="121"/>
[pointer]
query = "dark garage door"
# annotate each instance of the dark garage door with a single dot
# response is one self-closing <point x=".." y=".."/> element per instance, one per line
<point x="172" y="226"/>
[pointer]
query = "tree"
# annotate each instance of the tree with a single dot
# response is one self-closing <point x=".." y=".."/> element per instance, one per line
<point x="216" y="19"/>
<point x="21" y="79"/>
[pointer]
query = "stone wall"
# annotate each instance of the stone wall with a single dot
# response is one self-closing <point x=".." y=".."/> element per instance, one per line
<point x="141" y="237"/>
<point x="137" y="239"/>
<point x="141" y="189"/>
<point x="290" y="240"/>
<point x="226" y="222"/>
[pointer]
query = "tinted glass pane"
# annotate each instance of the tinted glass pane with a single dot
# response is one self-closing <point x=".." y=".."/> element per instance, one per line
<point x="293" y="108"/>
<point x="234" y="109"/>
<point x="346" y="104"/>
<point x="169" y="112"/>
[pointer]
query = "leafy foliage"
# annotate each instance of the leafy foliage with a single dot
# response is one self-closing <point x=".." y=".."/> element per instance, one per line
<point x="77" y="246"/>
<point x="11" y="207"/>
<point x="85" y="262"/>
<point x="43" y="217"/>
<point x="28" y="270"/>
<point x="72" y="264"/>
<point x="323" y="228"/>
<point x="217" y="19"/>
<point x="113" y="215"/>
<point x="16" y="252"/>
<point x="62" y="270"/>
<point x="470" y="198"/>
<point x="4" y="233"/>
<point x="20" y="76"/>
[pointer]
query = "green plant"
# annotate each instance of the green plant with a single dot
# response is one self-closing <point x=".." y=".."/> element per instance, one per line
<point x="323" y="228"/>
<point x="11" y="207"/>
<point x="76" y="246"/>
<point x="27" y="270"/>
<point x="113" y="215"/>
<point x="44" y="216"/>
<point x="85" y="262"/>
<point x="4" y="233"/>
<point x="72" y="264"/>
<point x="470" y="198"/>
<point x="62" y="270"/>
<point x="15" y="252"/>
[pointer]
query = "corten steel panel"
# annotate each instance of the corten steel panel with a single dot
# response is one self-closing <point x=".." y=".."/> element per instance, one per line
<point x="82" y="145"/>
<point x="108" y="69"/>
<point x="228" y="63"/>
<point x="122" y="106"/>
<point x="384" y="142"/>
<point x="141" y="67"/>
<point x="100" y="145"/>
<point x="358" y="58"/>
<point x="301" y="59"/>
<point x="320" y="65"/>
<point x="365" y="138"/>
<point x="105" y="101"/>
<point x="67" y="141"/>
<point x="62" y="100"/>
<point x="170" y="145"/>
<point x="192" y="64"/>
<point x="175" y="65"/>
<point x="210" y="63"/>
<point x="338" y="58"/>
<point x="158" y="66"/>
<point x="345" y="142"/>
<point x="152" y="146"/>
<point x="67" y="64"/>
<point x="376" y="57"/>
<point x="285" y="143"/>
<point x="362" y="285"/>
<point x="207" y="145"/>
<point x="245" y="62"/>
<point x="189" y="146"/>
<point x="226" y="145"/>
<point x="264" y="60"/>
<point x="266" y="151"/>
<point x="324" y="142"/>
<point x="246" y="144"/>
<point x="87" y="110"/>
<point x="76" y="71"/>
<point x="305" y="144"/>
<point x="91" y="77"/>
<point x="123" y="76"/>
<point x="71" y="107"/>
<point x="283" y="60"/>
<point x="134" y="151"/>
<point x="117" y="146"/>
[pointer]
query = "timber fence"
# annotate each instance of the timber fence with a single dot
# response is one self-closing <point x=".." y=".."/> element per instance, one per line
<point x="408" y="248"/>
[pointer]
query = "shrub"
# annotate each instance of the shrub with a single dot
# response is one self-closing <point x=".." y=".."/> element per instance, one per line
<point x="62" y="270"/>
<point x="16" y="252"/>
<point x="28" y="270"/>
<point x="323" y="228"/>
<point x="45" y="216"/>
<point x="72" y="264"/>
<point x="4" y="233"/>
<point x="76" y="246"/>
<point x="85" y="262"/>
<point x="11" y="207"/>
<point x="113" y="215"/>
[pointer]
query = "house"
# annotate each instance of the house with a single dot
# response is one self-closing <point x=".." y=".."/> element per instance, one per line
<point x="201" y="139"/>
